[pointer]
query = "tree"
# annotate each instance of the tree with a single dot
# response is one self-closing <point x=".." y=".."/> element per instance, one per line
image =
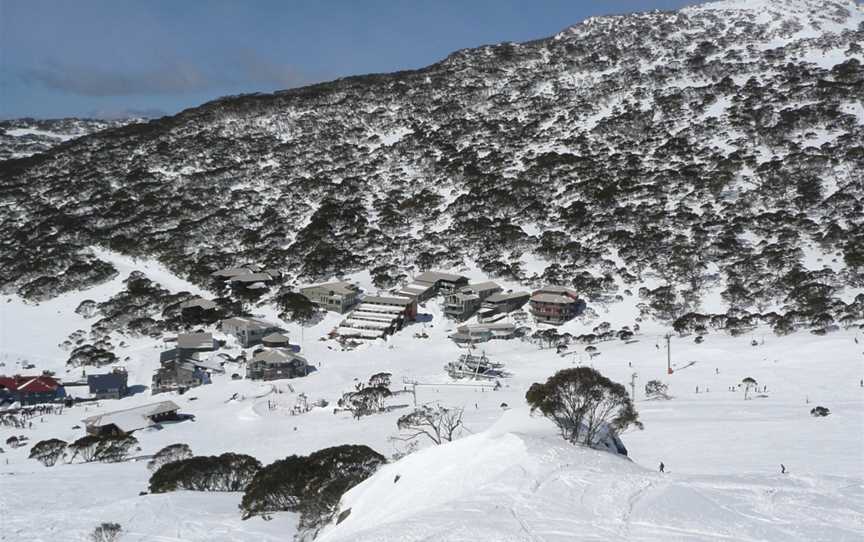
<point x="820" y="412"/>
<point x="169" y="454"/>
<point x="48" y="452"/>
<point x="365" y="401"/>
<point x="226" y="472"/>
<point x="380" y="379"/>
<point x="749" y="383"/>
<point x="106" y="532"/>
<point x="85" y="447"/>
<point x="310" y="485"/>
<point x="584" y="404"/>
<point x="114" y="449"/>
<point x="12" y="442"/>
<point x="439" y="424"/>
<point x="656" y="389"/>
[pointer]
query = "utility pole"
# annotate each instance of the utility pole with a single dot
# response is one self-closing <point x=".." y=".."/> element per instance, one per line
<point x="668" y="338"/>
<point x="633" y="386"/>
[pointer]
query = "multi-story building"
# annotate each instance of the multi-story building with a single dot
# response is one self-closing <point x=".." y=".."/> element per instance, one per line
<point x="333" y="296"/>
<point x="555" y="305"/>
<point x="464" y="302"/>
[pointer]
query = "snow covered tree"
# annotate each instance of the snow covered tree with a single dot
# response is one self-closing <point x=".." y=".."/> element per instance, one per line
<point x="749" y="384"/>
<point x="106" y="532"/>
<point x="12" y="441"/>
<point x="435" y="422"/>
<point x="169" y="454"/>
<point x="656" y="390"/>
<point x="820" y="412"/>
<point x="48" y="452"/>
<point x="583" y="404"/>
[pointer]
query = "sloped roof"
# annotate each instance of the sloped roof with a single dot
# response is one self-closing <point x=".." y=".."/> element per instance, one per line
<point x="501" y="297"/>
<point x="131" y="419"/>
<point x="194" y="341"/>
<point x="204" y="304"/>
<point x="432" y="277"/>
<point x="248" y="323"/>
<point x="277" y="355"/>
<point x="380" y="300"/>
<point x="339" y="287"/>
<point x="251" y="277"/>
<point x="231" y="272"/>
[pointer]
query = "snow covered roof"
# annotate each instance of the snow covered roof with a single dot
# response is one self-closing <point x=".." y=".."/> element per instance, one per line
<point x="501" y="297"/>
<point x="204" y="304"/>
<point x="195" y="341"/>
<point x="275" y="337"/>
<point x="231" y="272"/>
<point x="244" y="322"/>
<point x="277" y="355"/>
<point x="431" y="277"/>
<point x="339" y="287"/>
<point x="552" y="298"/>
<point x="252" y="277"/>
<point x="134" y="418"/>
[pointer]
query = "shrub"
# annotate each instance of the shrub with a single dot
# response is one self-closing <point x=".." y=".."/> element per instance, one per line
<point x="226" y="472"/>
<point x="107" y="532"/>
<point x="819" y="412"/>
<point x="656" y="389"/>
<point x="583" y="404"/>
<point x="310" y="485"/>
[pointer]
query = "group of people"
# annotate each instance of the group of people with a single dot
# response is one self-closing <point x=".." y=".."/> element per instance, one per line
<point x="22" y="418"/>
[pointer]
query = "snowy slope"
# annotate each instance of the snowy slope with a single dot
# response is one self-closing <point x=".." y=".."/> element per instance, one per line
<point x="519" y="481"/>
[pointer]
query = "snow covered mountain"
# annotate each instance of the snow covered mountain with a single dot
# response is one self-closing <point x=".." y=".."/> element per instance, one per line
<point x="716" y="147"/>
<point x="20" y="138"/>
<point x="699" y="168"/>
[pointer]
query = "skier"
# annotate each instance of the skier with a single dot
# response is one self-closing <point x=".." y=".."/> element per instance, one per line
<point x="662" y="467"/>
<point x="782" y="468"/>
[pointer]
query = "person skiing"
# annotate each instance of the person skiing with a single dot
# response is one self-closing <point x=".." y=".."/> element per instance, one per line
<point x="662" y="467"/>
<point x="782" y="468"/>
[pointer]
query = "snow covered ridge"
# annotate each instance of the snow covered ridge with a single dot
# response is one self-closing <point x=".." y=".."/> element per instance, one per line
<point x="517" y="481"/>
<point x="20" y="138"/>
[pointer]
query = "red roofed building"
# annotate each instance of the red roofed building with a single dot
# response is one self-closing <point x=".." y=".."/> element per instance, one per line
<point x="30" y="390"/>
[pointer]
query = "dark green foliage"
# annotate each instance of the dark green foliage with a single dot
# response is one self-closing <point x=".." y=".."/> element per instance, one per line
<point x="169" y="454"/>
<point x="819" y="412"/>
<point x="296" y="307"/>
<point x="48" y="452"/>
<point x="88" y="355"/>
<point x="583" y="404"/>
<point x="226" y="472"/>
<point x="310" y="485"/>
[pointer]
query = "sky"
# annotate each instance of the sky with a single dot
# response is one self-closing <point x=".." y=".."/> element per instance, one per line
<point x="108" y="59"/>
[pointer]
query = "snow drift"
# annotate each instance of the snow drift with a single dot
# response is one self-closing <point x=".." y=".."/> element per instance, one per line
<point x="519" y="481"/>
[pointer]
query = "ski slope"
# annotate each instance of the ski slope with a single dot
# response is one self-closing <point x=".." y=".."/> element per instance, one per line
<point x="510" y="477"/>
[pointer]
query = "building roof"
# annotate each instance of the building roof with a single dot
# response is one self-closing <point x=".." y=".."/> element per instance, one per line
<point x="231" y="272"/>
<point x="275" y="337"/>
<point x="431" y="277"/>
<point x="32" y="384"/>
<point x="131" y="419"/>
<point x="501" y="297"/>
<point x="482" y="286"/>
<point x="475" y="328"/>
<point x="277" y="355"/>
<point x="339" y="287"/>
<point x="381" y="300"/>
<point x="195" y="341"/>
<point x="251" y="277"/>
<point x="200" y="302"/>
<point x="561" y="290"/>
<point x="541" y="297"/>
<point x="248" y="323"/>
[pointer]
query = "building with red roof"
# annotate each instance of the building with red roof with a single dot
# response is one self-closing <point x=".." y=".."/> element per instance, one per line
<point x="30" y="390"/>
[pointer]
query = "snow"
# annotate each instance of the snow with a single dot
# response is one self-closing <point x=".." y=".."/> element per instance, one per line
<point x="19" y="132"/>
<point x="723" y="453"/>
<point x="519" y="481"/>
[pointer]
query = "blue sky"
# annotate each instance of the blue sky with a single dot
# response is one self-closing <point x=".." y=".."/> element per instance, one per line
<point x="113" y="58"/>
